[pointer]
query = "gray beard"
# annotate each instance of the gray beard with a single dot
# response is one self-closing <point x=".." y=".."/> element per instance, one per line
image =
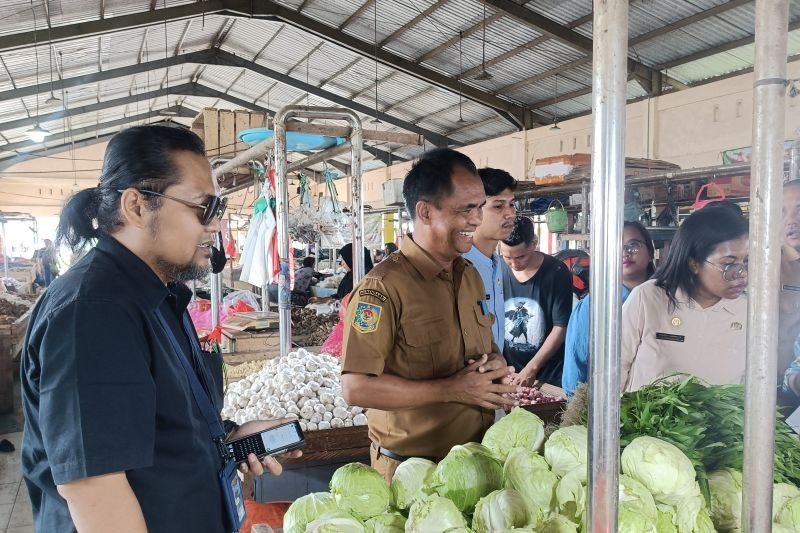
<point x="182" y="273"/>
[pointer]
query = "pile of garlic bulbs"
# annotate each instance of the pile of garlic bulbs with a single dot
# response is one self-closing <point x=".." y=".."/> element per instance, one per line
<point x="302" y="385"/>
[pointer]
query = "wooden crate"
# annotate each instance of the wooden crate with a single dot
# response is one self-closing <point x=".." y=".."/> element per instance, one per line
<point x="340" y="443"/>
<point x="11" y="338"/>
<point x="249" y="341"/>
<point x="549" y="412"/>
<point x="220" y="128"/>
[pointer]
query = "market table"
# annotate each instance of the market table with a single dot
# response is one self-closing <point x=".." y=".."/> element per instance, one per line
<point x="11" y="337"/>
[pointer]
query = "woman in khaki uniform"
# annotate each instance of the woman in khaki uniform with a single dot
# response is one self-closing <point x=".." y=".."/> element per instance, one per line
<point x="691" y="318"/>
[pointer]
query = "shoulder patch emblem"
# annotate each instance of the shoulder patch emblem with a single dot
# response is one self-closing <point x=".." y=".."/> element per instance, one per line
<point x="366" y="317"/>
<point x="372" y="292"/>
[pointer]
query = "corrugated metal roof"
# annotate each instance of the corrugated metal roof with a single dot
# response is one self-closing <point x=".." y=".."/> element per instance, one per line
<point x="336" y="70"/>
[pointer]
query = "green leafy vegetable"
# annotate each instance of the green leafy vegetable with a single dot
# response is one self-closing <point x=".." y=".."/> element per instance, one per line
<point x="335" y="522"/>
<point x="500" y="510"/>
<point x="360" y="491"/>
<point x="306" y="509"/>
<point x="409" y="480"/>
<point x="726" y="498"/>
<point x="519" y="429"/>
<point x="434" y="514"/>
<point x="567" y="449"/>
<point x="386" y="523"/>
<point x="467" y="474"/>
<point x="528" y="473"/>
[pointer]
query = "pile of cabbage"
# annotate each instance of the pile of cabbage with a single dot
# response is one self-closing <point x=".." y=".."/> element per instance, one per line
<point x="512" y="481"/>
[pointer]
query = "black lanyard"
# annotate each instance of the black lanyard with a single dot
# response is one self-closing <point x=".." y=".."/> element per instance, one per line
<point x="202" y="396"/>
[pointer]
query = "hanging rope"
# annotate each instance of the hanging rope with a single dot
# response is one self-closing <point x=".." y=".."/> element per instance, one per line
<point x="329" y="175"/>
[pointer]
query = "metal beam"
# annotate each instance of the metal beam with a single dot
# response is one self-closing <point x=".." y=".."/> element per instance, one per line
<point x="66" y="83"/>
<point x="509" y="110"/>
<point x="454" y="41"/>
<point x="340" y="71"/>
<point x="412" y="23"/>
<point x="717" y="50"/>
<point x="543" y="24"/>
<point x="114" y="24"/>
<point x="269" y="42"/>
<point x="182" y="112"/>
<point x="273" y="11"/>
<point x="8" y="162"/>
<point x="178" y="46"/>
<point x="678" y="24"/>
<point x="546" y="74"/>
<point x="305" y="57"/>
<point x="468" y="127"/>
<point x="222" y="57"/>
<point x="566" y="35"/>
<point x="357" y="13"/>
<point x="91" y="108"/>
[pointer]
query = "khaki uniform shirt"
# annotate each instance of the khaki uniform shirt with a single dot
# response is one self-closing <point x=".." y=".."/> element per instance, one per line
<point x="410" y="318"/>
<point x="708" y="343"/>
<point x="789" y="318"/>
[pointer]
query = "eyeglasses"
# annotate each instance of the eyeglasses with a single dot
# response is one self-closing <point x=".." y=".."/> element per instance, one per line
<point x="214" y="208"/>
<point x="731" y="271"/>
<point x="632" y="248"/>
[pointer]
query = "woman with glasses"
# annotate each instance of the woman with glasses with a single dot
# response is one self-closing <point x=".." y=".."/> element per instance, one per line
<point x="692" y="317"/>
<point x="637" y="267"/>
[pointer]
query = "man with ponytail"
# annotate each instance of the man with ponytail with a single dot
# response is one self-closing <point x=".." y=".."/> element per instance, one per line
<point x="116" y="435"/>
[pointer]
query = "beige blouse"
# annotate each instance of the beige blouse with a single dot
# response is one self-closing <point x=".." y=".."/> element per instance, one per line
<point x="708" y="343"/>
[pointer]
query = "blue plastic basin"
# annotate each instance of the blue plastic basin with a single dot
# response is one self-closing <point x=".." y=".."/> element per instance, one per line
<point x="295" y="141"/>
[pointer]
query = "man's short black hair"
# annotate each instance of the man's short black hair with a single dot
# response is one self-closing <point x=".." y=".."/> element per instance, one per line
<point x="522" y="233"/>
<point x="496" y="181"/>
<point x="309" y="262"/>
<point x="431" y="177"/>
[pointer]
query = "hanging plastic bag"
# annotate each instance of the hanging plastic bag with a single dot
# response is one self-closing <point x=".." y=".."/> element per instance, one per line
<point x="700" y="204"/>
<point x="241" y="302"/>
<point x="556" y="218"/>
<point x="333" y="344"/>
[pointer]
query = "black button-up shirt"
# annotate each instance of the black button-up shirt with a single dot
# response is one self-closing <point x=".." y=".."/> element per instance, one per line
<point x="103" y="391"/>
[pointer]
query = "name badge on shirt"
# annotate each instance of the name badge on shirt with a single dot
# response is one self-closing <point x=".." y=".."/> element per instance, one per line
<point x="670" y="337"/>
<point x="793" y="288"/>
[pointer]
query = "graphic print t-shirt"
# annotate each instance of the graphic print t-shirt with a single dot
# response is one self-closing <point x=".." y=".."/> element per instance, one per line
<point x="532" y="309"/>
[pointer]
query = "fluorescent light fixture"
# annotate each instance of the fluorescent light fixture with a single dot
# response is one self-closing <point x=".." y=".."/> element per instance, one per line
<point x="37" y="133"/>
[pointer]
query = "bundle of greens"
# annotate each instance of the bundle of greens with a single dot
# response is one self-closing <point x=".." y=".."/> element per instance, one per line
<point x="705" y="422"/>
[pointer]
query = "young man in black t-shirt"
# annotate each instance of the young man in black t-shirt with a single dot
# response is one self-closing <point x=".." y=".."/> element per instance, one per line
<point x="538" y="302"/>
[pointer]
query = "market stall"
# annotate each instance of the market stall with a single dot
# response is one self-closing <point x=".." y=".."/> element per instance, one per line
<point x="14" y="315"/>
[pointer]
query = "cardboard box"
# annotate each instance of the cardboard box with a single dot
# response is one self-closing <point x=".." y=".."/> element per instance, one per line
<point x="732" y="186"/>
<point x="554" y="170"/>
<point x="245" y="341"/>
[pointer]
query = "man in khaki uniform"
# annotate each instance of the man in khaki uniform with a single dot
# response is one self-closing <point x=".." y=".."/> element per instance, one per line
<point x="418" y="349"/>
<point x="790" y="277"/>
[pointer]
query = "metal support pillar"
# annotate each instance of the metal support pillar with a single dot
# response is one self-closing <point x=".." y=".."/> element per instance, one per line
<point x="610" y="61"/>
<point x="282" y="193"/>
<point x="766" y="191"/>
<point x="5" y="252"/>
<point x="216" y="298"/>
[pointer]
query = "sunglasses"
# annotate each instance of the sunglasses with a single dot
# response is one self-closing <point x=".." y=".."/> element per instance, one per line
<point x="215" y="208"/>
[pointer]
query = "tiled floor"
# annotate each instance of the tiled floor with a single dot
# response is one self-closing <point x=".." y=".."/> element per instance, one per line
<point x="15" y="506"/>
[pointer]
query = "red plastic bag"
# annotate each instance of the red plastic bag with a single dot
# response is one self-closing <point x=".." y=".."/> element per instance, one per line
<point x="333" y="344"/>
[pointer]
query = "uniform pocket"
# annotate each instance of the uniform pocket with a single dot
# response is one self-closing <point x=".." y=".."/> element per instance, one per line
<point x="422" y="342"/>
<point x="484" y="329"/>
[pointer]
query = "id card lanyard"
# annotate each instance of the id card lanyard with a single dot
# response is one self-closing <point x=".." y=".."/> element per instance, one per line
<point x="229" y="482"/>
<point x="201" y="395"/>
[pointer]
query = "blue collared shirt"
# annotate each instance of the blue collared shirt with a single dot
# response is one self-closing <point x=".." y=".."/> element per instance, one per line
<point x="576" y="349"/>
<point x="492" y="276"/>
